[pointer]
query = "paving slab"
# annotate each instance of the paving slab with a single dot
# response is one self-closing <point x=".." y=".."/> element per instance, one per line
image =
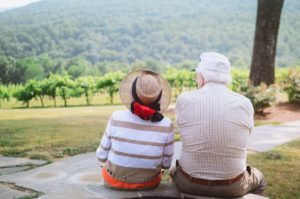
<point x="14" y="162"/>
<point x="67" y="176"/>
<point x="8" y="193"/>
<point x="264" y="138"/>
<point x="9" y="170"/>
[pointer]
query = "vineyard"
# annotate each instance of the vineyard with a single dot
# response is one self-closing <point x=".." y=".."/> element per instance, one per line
<point x="64" y="88"/>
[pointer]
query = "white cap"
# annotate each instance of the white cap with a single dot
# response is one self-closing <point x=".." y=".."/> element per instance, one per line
<point x="214" y="67"/>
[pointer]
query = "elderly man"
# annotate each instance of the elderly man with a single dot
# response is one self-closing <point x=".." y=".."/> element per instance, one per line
<point x="215" y="124"/>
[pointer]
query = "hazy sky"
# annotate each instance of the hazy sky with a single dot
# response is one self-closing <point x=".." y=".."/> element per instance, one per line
<point x="6" y="4"/>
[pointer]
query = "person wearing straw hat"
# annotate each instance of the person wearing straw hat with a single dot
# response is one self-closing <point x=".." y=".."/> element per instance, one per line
<point x="214" y="125"/>
<point x="138" y="143"/>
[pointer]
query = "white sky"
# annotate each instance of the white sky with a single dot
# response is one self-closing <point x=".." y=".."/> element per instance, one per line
<point x="4" y="4"/>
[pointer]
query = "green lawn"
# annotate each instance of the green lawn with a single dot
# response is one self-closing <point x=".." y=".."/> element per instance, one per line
<point x="52" y="133"/>
<point x="281" y="167"/>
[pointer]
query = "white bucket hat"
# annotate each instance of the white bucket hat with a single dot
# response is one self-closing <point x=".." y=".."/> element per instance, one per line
<point x="214" y="67"/>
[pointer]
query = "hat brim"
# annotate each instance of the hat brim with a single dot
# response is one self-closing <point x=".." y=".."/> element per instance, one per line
<point x="125" y="91"/>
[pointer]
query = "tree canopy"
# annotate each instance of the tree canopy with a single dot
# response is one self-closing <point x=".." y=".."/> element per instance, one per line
<point x="128" y="31"/>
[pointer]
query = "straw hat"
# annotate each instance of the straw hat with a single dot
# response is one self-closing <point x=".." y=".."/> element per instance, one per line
<point x="149" y="85"/>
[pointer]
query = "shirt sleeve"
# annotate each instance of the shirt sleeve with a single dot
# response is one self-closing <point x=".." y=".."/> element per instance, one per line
<point x="178" y="110"/>
<point x="168" y="150"/>
<point x="105" y="144"/>
<point x="251" y="118"/>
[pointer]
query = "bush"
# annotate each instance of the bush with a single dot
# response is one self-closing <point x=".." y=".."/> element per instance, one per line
<point x="291" y="85"/>
<point x="239" y="79"/>
<point x="261" y="96"/>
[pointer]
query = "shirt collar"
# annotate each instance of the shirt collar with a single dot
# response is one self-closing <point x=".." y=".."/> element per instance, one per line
<point x="214" y="85"/>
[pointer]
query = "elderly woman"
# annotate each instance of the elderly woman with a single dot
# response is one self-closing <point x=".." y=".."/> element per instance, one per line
<point x="138" y="143"/>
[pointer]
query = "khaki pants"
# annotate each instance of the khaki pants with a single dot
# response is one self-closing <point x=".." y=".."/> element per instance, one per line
<point x="252" y="182"/>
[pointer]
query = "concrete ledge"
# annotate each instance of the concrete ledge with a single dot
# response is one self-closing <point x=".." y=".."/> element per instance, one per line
<point x="165" y="190"/>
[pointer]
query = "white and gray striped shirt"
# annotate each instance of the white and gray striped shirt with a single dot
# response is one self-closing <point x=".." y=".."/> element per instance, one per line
<point x="134" y="148"/>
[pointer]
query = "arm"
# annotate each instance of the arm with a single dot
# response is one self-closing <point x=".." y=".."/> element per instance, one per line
<point x="105" y="144"/>
<point x="168" y="150"/>
<point x="179" y="110"/>
<point x="251" y="118"/>
<point x="250" y="111"/>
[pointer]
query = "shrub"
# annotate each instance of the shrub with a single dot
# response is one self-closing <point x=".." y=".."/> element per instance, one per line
<point x="291" y="85"/>
<point x="261" y="96"/>
<point x="239" y="79"/>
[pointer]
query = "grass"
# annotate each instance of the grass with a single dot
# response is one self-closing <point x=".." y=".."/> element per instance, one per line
<point x="50" y="133"/>
<point x="53" y="132"/>
<point x="281" y="168"/>
<point x="97" y="99"/>
<point x="263" y="122"/>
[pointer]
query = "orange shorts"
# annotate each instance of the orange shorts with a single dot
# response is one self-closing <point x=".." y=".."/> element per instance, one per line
<point x="124" y="185"/>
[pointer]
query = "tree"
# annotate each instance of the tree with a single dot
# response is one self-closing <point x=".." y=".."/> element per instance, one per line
<point x="24" y="94"/>
<point x="77" y="67"/>
<point x="65" y="88"/>
<point x="51" y="85"/>
<point x="26" y="69"/>
<point x="47" y="64"/>
<point x="264" y="49"/>
<point x="87" y="87"/>
<point x="42" y="85"/>
<point x="7" y="68"/>
<point x="34" y="70"/>
<point x="4" y="94"/>
<point x="38" y="89"/>
<point x="180" y="79"/>
<point x="110" y="83"/>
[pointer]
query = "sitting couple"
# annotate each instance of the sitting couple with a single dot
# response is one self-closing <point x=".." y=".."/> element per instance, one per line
<point x="214" y="125"/>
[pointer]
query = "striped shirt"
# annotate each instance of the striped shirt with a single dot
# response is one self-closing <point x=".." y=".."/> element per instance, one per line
<point x="214" y="125"/>
<point x="136" y="150"/>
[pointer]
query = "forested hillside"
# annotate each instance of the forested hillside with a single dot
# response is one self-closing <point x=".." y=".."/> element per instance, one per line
<point x="126" y="31"/>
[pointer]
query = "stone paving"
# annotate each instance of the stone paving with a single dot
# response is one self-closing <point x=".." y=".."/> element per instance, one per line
<point x="79" y="176"/>
<point x="69" y="176"/>
<point x="12" y="165"/>
<point x="267" y="137"/>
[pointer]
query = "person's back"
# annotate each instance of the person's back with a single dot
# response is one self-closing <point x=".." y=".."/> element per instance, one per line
<point x="214" y="125"/>
<point x="138" y="149"/>
<point x="138" y="143"/>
